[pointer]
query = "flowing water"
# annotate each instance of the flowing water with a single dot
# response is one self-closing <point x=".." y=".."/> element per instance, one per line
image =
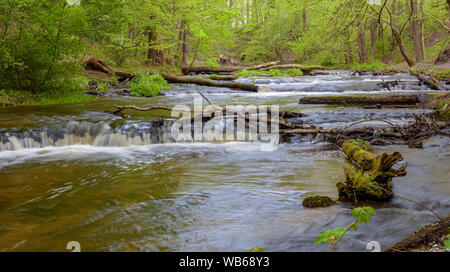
<point x="76" y="173"/>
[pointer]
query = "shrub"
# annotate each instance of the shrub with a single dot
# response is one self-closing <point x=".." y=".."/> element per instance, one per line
<point x="103" y="87"/>
<point x="145" y="85"/>
<point x="371" y="66"/>
<point x="274" y="72"/>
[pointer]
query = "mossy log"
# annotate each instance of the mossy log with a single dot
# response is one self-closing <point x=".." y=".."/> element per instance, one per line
<point x="223" y="78"/>
<point x="429" y="81"/>
<point x="171" y="78"/>
<point x="370" y="176"/>
<point x="362" y="100"/>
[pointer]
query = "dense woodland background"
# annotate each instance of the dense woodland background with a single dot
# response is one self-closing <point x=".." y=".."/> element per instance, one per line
<point x="44" y="43"/>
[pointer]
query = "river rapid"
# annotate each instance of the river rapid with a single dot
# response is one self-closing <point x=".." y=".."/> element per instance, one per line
<point x="75" y="173"/>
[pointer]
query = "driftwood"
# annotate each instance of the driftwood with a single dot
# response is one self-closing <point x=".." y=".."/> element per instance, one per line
<point x="429" y="81"/>
<point x="370" y="176"/>
<point x="362" y="100"/>
<point x="171" y="78"/>
<point x="413" y="134"/>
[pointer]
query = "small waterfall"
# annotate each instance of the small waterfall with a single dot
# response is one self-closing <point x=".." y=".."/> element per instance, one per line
<point x="138" y="134"/>
<point x="84" y="133"/>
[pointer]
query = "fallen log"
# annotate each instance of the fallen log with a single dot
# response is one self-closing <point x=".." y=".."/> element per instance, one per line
<point x="305" y="69"/>
<point x="235" y="69"/>
<point x="222" y="78"/>
<point x="370" y="176"/>
<point x="171" y="78"/>
<point x="429" y="81"/>
<point x="362" y="100"/>
<point x="224" y="69"/>
<point x="98" y="65"/>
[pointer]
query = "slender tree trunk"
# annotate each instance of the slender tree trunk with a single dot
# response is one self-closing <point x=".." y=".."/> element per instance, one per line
<point x="304" y="20"/>
<point x="422" y="28"/>
<point x="362" y="45"/>
<point x="184" y="44"/>
<point x="398" y="36"/>
<point x="383" y="52"/>
<point x="132" y="36"/>
<point x="373" y="38"/>
<point x="417" y="32"/>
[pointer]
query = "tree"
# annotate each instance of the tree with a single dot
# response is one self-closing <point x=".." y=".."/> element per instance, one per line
<point x="40" y="38"/>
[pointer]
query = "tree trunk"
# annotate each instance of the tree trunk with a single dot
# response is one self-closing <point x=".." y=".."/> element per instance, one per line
<point x="417" y="32"/>
<point x="398" y="36"/>
<point x="373" y="38"/>
<point x="431" y="82"/>
<point x="171" y="78"/>
<point x="184" y="44"/>
<point x="155" y="56"/>
<point x="304" y="19"/>
<point x="362" y="45"/>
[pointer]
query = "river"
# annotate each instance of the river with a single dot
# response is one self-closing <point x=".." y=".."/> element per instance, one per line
<point x="75" y="173"/>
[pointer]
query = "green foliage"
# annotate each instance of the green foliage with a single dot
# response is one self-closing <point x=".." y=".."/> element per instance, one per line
<point x="331" y="235"/>
<point x="41" y="39"/>
<point x="444" y="74"/>
<point x="273" y="72"/>
<point x="373" y="66"/>
<point x="103" y="87"/>
<point x="447" y="242"/>
<point x="256" y="249"/>
<point x="444" y="110"/>
<point x="362" y="215"/>
<point x="145" y="85"/>
<point x="212" y="62"/>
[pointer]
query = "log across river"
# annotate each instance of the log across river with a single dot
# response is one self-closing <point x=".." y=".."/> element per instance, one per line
<point x="76" y="173"/>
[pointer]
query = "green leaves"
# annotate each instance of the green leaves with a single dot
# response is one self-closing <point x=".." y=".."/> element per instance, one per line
<point x="256" y="249"/>
<point x="330" y="236"/>
<point x="145" y="85"/>
<point x="447" y="242"/>
<point x="363" y="215"/>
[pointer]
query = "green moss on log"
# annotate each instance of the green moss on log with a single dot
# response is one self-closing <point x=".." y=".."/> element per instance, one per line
<point x="317" y="201"/>
<point x="360" y="152"/>
<point x="370" y="178"/>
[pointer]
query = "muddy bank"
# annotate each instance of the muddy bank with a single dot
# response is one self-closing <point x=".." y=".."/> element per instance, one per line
<point x="430" y="238"/>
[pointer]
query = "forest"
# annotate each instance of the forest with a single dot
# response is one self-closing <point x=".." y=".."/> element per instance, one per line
<point x="44" y="44"/>
<point x="225" y="125"/>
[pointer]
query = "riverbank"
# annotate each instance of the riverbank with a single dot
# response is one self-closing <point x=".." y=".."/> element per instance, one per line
<point x="430" y="238"/>
<point x="103" y="82"/>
